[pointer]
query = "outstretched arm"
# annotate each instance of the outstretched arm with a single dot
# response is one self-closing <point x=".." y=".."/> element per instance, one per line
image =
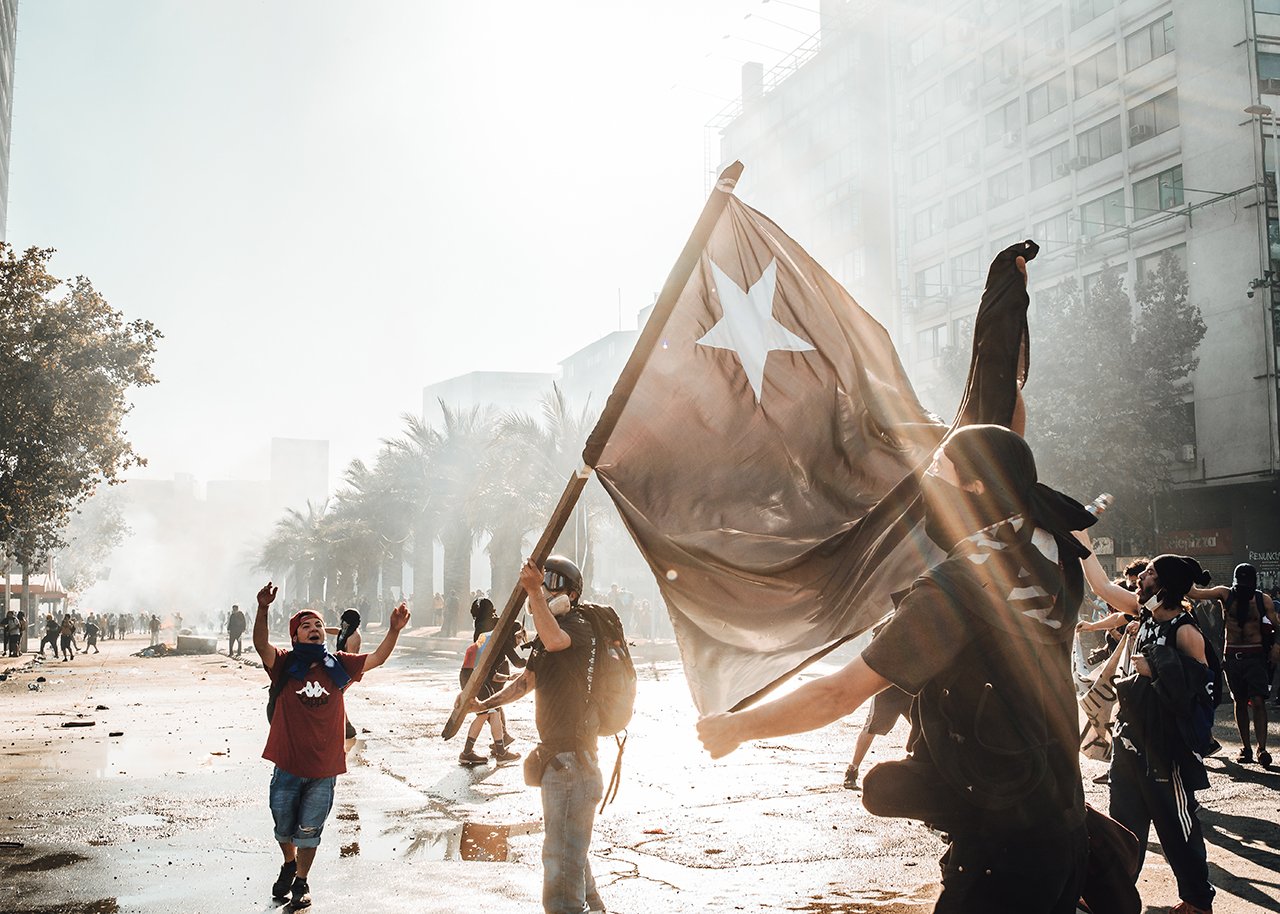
<point x="399" y="619"/>
<point x="1209" y="593"/>
<point x="815" y="704"/>
<point x="261" y="640"/>
<point x="1124" y="600"/>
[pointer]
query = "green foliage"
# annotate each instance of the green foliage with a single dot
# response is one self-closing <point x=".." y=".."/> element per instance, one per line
<point x="1106" y="393"/>
<point x="67" y="360"/>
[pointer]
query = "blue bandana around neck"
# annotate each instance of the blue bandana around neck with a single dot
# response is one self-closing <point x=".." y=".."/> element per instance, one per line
<point x="306" y="654"/>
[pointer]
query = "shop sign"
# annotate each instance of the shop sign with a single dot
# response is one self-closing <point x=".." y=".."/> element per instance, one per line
<point x="1197" y="542"/>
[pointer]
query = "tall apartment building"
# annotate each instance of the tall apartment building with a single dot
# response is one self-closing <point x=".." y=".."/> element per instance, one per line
<point x="911" y="141"/>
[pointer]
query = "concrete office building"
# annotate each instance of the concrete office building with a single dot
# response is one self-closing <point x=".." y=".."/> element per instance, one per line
<point x="505" y="391"/>
<point x="910" y="141"/>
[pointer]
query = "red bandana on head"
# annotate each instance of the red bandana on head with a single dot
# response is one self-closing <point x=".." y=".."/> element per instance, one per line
<point x="297" y="620"/>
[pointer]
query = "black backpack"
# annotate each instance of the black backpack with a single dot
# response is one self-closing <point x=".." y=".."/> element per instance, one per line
<point x="611" y="684"/>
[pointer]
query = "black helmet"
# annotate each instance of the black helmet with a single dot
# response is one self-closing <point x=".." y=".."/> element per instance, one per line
<point x="560" y="575"/>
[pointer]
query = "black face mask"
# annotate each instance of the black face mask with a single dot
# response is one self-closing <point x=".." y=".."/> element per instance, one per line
<point x="952" y="513"/>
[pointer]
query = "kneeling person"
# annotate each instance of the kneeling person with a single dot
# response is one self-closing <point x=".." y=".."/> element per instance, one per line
<point x="306" y="739"/>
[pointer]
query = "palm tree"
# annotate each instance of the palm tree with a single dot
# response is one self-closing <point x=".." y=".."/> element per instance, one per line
<point x="550" y="452"/>
<point x="297" y="546"/>
<point x="460" y="462"/>
<point x="413" y="474"/>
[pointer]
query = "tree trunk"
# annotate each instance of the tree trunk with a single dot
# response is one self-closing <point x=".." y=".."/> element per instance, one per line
<point x="457" y="578"/>
<point x="424" y="572"/>
<point x="505" y="558"/>
<point x="393" y="572"/>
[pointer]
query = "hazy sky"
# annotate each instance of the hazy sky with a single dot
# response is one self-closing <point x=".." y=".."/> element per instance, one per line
<point x="327" y="206"/>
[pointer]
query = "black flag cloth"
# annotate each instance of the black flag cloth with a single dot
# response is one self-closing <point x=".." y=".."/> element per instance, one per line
<point x="764" y="464"/>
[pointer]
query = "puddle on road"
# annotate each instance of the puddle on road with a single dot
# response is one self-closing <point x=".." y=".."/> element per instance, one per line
<point x="101" y="906"/>
<point x="377" y="836"/>
<point x="46" y="863"/>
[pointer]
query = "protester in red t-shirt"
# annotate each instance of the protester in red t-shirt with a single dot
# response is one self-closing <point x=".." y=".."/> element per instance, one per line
<point x="306" y="738"/>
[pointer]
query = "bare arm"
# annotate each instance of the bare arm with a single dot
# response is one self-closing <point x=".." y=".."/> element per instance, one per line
<point x="1115" y="620"/>
<point x="553" y="636"/>
<point x="1123" y="600"/>
<point x="516" y="689"/>
<point x="399" y="619"/>
<point x="261" y="640"/>
<point x="815" y="704"/>
<point x="1191" y="643"/>
<point x="1209" y="593"/>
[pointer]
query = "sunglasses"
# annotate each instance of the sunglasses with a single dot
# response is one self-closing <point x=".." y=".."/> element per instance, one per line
<point x="556" y="582"/>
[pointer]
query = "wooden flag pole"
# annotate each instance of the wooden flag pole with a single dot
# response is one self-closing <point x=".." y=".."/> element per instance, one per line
<point x="666" y="303"/>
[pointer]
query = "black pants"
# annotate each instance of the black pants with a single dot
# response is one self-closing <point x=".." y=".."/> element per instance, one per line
<point x="1138" y="802"/>
<point x="987" y="874"/>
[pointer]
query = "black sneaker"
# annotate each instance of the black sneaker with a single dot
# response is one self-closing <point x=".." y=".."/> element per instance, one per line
<point x="1246" y="756"/>
<point x="301" y="894"/>
<point x="851" y="778"/>
<point x="1264" y="758"/>
<point x="281" y="888"/>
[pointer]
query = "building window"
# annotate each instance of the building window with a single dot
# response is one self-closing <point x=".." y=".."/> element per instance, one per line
<point x="1106" y="212"/>
<point x="1055" y="231"/>
<point x="1002" y="121"/>
<point x="929" y="281"/>
<point x="966" y="269"/>
<point x="1148" y="265"/>
<point x="926" y="104"/>
<point x="1003" y="187"/>
<point x="1153" y="118"/>
<point x="1000" y="62"/>
<point x="1145" y="45"/>
<point x="1096" y="72"/>
<point x="1269" y="73"/>
<point x="1083" y="11"/>
<point x="1050" y="165"/>
<point x="964" y="205"/>
<point x="1157" y="193"/>
<point x="1005" y="241"/>
<point x="961" y="85"/>
<point x="860" y="261"/>
<point x="931" y="342"/>
<point x="926" y="164"/>
<point x="962" y="329"/>
<point x="921" y="49"/>
<point x="1098" y="143"/>
<point x="1047" y="98"/>
<point x="1045" y="34"/>
<point x="928" y="222"/>
<point x="961" y="143"/>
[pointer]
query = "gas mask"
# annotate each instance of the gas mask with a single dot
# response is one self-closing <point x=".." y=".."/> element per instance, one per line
<point x="558" y="603"/>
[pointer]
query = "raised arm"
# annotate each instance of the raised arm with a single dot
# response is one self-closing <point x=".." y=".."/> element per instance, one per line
<point x="815" y="704"/>
<point x="399" y="619"/>
<point x="1124" y="600"/>
<point x="261" y="640"/>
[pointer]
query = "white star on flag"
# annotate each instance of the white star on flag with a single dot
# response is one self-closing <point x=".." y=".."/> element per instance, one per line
<point x="748" y="327"/>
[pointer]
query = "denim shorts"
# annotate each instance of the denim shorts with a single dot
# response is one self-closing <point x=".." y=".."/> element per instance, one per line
<point x="299" y="807"/>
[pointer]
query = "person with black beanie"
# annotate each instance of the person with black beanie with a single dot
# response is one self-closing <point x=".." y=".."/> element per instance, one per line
<point x="1163" y="727"/>
<point x="1249" y="662"/>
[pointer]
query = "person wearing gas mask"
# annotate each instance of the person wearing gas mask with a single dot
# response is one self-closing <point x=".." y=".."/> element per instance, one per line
<point x="983" y="641"/>
<point x="564" y="763"/>
<point x="1163" y="728"/>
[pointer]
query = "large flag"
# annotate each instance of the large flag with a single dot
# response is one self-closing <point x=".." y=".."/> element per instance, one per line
<point x="766" y="464"/>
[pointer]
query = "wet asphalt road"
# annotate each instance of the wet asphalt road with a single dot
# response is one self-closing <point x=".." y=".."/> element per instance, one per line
<point x="172" y="815"/>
